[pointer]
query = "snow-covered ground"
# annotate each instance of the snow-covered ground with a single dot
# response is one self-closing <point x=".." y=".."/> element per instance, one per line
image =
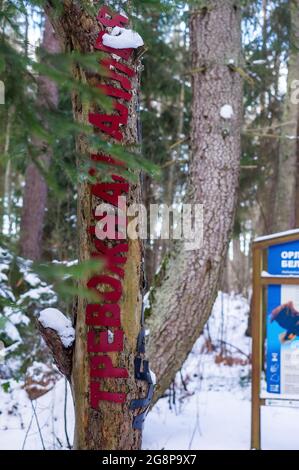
<point x="207" y="408"/>
<point x="37" y="424"/>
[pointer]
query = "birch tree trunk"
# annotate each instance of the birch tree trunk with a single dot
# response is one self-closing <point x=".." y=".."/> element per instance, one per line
<point x="185" y="290"/>
<point x="36" y="190"/>
<point x="285" y="197"/>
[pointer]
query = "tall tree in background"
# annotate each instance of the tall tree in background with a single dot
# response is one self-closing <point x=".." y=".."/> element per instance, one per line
<point x="166" y="101"/>
<point x="285" y="196"/>
<point x="186" y="287"/>
<point x="36" y="188"/>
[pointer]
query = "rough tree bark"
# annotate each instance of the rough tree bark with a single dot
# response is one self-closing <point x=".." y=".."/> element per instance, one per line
<point x="185" y="291"/>
<point x="36" y="190"/>
<point x="285" y="197"/>
<point x="110" y="426"/>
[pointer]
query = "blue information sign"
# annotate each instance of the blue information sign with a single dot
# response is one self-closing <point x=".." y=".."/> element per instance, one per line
<point x="283" y="322"/>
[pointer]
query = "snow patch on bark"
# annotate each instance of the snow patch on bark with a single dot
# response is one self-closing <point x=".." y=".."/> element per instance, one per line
<point x="54" y="319"/>
<point x="226" y="112"/>
<point x="121" y="38"/>
<point x="291" y="137"/>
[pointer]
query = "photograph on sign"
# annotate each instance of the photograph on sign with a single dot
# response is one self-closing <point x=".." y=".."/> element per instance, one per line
<point x="283" y="340"/>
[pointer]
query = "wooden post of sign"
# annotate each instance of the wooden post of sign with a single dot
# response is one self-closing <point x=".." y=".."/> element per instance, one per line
<point x="257" y="328"/>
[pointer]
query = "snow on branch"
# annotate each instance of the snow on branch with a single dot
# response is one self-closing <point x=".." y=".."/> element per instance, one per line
<point x="121" y="38"/>
<point x="54" y="319"/>
<point x="59" y="335"/>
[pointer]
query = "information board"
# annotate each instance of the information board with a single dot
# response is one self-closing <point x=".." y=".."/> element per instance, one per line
<point x="282" y="368"/>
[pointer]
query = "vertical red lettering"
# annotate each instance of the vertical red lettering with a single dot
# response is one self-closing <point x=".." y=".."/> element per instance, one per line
<point x="102" y="367"/>
<point x="108" y="19"/>
<point x="98" y="342"/>
<point x="97" y="395"/>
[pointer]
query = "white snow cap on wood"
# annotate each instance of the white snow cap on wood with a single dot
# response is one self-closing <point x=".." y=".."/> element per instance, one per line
<point x="226" y="112"/>
<point x="54" y="319"/>
<point x="284" y="276"/>
<point x="121" y="38"/>
<point x="275" y="235"/>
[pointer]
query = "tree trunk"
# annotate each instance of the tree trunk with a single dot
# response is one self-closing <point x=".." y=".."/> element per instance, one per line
<point x="189" y="280"/>
<point x="184" y="294"/>
<point x="285" y="198"/>
<point x="36" y="190"/>
<point x="108" y="425"/>
<point x="7" y="175"/>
